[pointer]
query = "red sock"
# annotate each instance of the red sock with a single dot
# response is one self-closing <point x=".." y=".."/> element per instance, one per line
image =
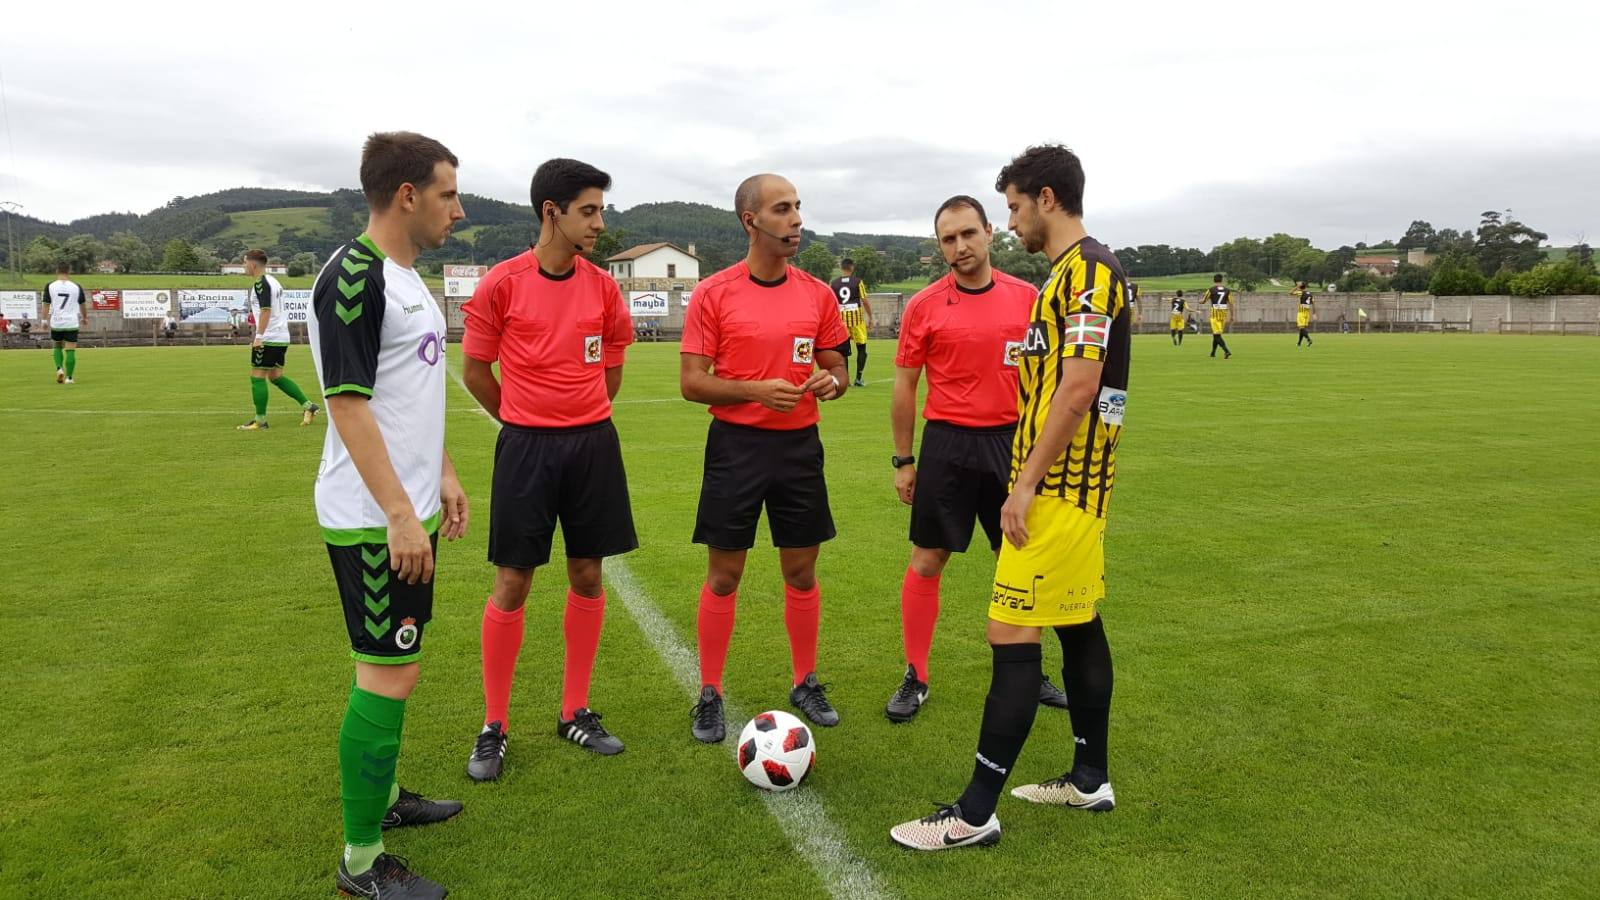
<point x="581" y="625"/>
<point x="919" y="610"/>
<point x="502" y="640"/>
<point x="715" y="630"/>
<point x="802" y="611"/>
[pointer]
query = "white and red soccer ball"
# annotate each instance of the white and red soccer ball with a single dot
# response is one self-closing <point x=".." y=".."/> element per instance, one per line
<point x="776" y="751"/>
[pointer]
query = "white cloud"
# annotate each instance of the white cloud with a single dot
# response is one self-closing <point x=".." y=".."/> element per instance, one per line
<point x="1196" y="122"/>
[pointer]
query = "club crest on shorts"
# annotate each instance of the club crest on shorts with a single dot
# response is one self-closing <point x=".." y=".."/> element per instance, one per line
<point x="591" y="349"/>
<point x="804" y="348"/>
<point x="406" y="637"/>
<point x="1013" y="353"/>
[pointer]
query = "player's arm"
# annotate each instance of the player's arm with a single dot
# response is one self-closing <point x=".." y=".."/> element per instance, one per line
<point x="480" y="347"/>
<point x="1079" y="385"/>
<point x="866" y="305"/>
<point x="903" y="421"/>
<point x="452" y="501"/>
<point x="618" y="332"/>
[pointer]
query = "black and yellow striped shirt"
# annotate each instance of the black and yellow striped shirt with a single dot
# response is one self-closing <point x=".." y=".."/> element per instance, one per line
<point x="1082" y="312"/>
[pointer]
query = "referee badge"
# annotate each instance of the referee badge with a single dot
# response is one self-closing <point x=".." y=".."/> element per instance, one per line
<point x="803" y="347"/>
<point x="1013" y="353"/>
<point x="591" y="349"/>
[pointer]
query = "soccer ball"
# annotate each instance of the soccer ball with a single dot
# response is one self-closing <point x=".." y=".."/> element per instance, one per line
<point x="776" y="751"/>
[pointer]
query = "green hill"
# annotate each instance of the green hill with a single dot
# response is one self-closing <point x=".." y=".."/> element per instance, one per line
<point x="262" y="227"/>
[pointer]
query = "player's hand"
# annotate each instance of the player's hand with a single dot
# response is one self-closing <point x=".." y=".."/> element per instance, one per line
<point x="256" y="343"/>
<point x="410" y="553"/>
<point x="777" y="394"/>
<point x="905" y="483"/>
<point x="823" y="384"/>
<point x="1014" y="517"/>
<point x="453" y="505"/>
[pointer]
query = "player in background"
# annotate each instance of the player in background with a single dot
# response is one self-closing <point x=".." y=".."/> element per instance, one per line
<point x="1072" y="386"/>
<point x="1220" y="297"/>
<point x="773" y="334"/>
<point x="1304" y="312"/>
<point x="557" y="325"/>
<point x="1175" y="322"/>
<point x="64" y="301"/>
<point x="966" y="331"/>
<point x="855" y="311"/>
<point x="386" y="488"/>
<point x="270" y="345"/>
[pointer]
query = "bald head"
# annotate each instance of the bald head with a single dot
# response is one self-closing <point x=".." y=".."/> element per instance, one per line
<point x="748" y="197"/>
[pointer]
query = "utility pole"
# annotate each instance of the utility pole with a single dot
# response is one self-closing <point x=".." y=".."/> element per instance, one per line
<point x="11" y="246"/>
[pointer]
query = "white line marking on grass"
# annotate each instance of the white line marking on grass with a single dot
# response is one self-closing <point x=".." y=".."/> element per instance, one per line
<point x="800" y="813"/>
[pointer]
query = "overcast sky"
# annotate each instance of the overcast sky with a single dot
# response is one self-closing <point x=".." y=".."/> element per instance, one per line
<point x="1196" y="122"/>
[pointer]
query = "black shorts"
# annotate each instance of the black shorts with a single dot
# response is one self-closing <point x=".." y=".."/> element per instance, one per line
<point x="384" y="615"/>
<point x="573" y="475"/>
<point x="65" y="335"/>
<point x="962" y="475"/>
<point x="747" y="468"/>
<point x="267" y="356"/>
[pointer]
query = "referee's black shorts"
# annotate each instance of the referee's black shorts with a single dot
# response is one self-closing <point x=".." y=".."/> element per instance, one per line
<point x="747" y="468"/>
<point x="574" y="475"/>
<point x="962" y="474"/>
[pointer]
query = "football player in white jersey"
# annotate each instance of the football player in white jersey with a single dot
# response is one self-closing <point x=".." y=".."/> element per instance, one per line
<point x="271" y="344"/>
<point x="65" y="300"/>
<point x="386" y="488"/>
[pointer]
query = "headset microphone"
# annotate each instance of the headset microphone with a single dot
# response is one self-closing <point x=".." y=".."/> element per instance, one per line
<point x="776" y="237"/>
<point x="577" y="247"/>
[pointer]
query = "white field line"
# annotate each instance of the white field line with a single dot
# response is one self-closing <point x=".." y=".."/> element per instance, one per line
<point x="803" y="818"/>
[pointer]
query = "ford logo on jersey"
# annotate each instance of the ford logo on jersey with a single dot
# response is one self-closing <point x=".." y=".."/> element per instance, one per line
<point x="431" y="349"/>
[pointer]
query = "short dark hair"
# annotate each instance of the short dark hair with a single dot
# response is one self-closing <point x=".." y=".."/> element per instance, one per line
<point x="561" y="180"/>
<point x="1180" y="292"/>
<point x="1217" y="278"/>
<point x="392" y="158"/>
<point x="847" y="263"/>
<point x="257" y="256"/>
<point x="1046" y="166"/>
<point x="957" y="202"/>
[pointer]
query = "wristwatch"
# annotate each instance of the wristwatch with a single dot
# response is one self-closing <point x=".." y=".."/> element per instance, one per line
<point x="902" y="460"/>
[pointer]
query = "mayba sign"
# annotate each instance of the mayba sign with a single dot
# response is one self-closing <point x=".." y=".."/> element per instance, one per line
<point x="647" y="303"/>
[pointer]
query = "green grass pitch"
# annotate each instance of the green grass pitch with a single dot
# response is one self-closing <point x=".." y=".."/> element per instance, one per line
<point x="1352" y="607"/>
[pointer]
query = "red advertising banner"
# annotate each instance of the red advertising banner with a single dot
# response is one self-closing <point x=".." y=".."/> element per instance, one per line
<point x="106" y="299"/>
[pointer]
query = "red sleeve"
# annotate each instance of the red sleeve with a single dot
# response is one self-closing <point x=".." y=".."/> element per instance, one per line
<point x="831" y="331"/>
<point x="618" y="326"/>
<point x="700" y="334"/>
<point x="912" y="352"/>
<point x="482" y="338"/>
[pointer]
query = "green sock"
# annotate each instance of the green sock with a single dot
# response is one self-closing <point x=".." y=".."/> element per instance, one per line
<point x="293" y="390"/>
<point x="258" y="393"/>
<point x="369" y="745"/>
<point x="72" y="361"/>
<point x="56" y="355"/>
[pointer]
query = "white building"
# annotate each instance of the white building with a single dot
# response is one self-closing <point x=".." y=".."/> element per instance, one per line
<point x="662" y="262"/>
<point x="273" y="268"/>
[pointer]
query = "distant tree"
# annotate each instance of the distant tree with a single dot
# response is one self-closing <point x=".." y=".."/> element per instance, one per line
<point x="178" y="256"/>
<point x="206" y="259"/>
<point x="1009" y="257"/>
<point x="1238" y="253"/>
<point x="81" y="253"/>
<point x="41" y="255"/>
<point x="818" y="260"/>
<point x="1279" y="249"/>
<point x="129" y="252"/>
<point x="1306" y="264"/>
<point x="903" y="264"/>
<point x="1583" y="254"/>
<point x="1505" y="243"/>
<point x="870" y="267"/>
<point x="1360" y="281"/>
<point x="1410" y="278"/>
<point x="1456" y="275"/>
<point x="302" y="264"/>
<point x="1336" y="263"/>
<point x="1417" y="236"/>
<point x="1550" y="278"/>
<point x="1246" y="276"/>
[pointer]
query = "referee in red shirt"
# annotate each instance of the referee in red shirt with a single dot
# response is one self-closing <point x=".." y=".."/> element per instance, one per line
<point x="773" y="335"/>
<point x="558" y="326"/>
<point x="966" y="330"/>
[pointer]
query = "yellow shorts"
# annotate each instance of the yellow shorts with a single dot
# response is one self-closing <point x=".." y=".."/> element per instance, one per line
<point x="1218" y="325"/>
<point x="1176" y="323"/>
<point x="1059" y="578"/>
<point x="857" y="329"/>
<point x="1302" y="321"/>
